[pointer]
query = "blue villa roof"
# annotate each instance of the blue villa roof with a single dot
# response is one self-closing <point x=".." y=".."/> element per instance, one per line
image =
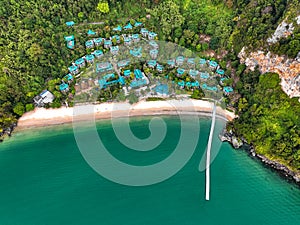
<point x="180" y="71"/>
<point x="204" y="75"/>
<point x="191" y="60"/>
<point x="213" y="63"/>
<point x="209" y="88"/>
<point x="107" y="42"/>
<point x="180" y="58"/>
<point x="195" y="84"/>
<point x="135" y="36"/>
<point x="98" y="40"/>
<point x="128" y="26"/>
<point x="152" y="63"/>
<point x="63" y="86"/>
<point x="69" y="38"/>
<point x="117" y="37"/>
<point x="152" y="34"/>
<point x="103" y="66"/>
<point x="162" y="89"/>
<point x="114" y="48"/>
<point x="70" y="23"/>
<point x="89" y="57"/>
<point x="202" y="61"/>
<point x="136" y="51"/>
<point x="144" y="30"/>
<point x="138" y="24"/>
<point x="153" y="43"/>
<point x="123" y="63"/>
<point x="98" y="52"/>
<point x="159" y="67"/>
<point x="69" y="76"/>
<point x="89" y="43"/>
<point x="90" y="32"/>
<point x="171" y="62"/>
<point x="127" y="73"/>
<point x="193" y="73"/>
<point x="154" y="51"/>
<point x="220" y="71"/>
<point x="138" y="74"/>
<point x="79" y="61"/>
<point x="71" y="44"/>
<point x="118" y="28"/>
<point x="228" y="89"/>
<point x="127" y="39"/>
<point x="73" y="68"/>
<point x="181" y="83"/>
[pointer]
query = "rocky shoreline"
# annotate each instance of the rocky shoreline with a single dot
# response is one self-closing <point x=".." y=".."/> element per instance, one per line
<point x="237" y="143"/>
<point x="7" y="131"/>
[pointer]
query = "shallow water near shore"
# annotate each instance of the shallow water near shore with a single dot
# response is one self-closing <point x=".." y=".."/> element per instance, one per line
<point x="45" y="180"/>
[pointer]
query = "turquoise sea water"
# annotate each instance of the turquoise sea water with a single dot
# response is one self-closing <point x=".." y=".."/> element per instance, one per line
<point x="45" y="180"/>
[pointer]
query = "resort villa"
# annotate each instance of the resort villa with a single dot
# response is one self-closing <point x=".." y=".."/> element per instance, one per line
<point x="89" y="44"/>
<point x="104" y="67"/>
<point x="43" y="98"/>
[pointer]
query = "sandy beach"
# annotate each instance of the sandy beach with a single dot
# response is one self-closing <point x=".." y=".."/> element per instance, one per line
<point x="41" y="117"/>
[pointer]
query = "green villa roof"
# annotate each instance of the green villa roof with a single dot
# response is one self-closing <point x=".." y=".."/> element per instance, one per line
<point x="69" y="38"/>
<point x="138" y="24"/>
<point x="63" y="87"/>
<point x="73" y="68"/>
<point x="98" y="52"/>
<point x="89" y="57"/>
<point x="213" y="63"/>
<point x="69" y="76"/>
<point x="90" y="32"/>
<point x="181" y="83"/>
<point x="135" y="36"/>
<point x="70" y="23"/>
<point x="220" y="71"/>
<point x="118" y="28"/>
<point x="79" y="61"/>
<point x="180" y="71"/>
<point x="89" y="43"/>
<point x="202" y="61"/>
<point x="128" y="26"/>
<point x="127" y="73"/>
<point x="152" y="63"/>
<point x="228" y="89"/>
<point x="204" y="75"/>
<point x="193" y="73"/>
<point x="98" y="40"/>
<point x="144" y="30"/>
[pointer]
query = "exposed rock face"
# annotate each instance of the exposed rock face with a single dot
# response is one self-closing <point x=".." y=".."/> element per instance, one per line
<point x="283" y="30"/>
<point x="287" y="69"/>
<point x="231" y="138"/>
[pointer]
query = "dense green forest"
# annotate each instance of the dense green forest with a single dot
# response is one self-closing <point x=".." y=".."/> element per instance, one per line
<point x="33" y="54"/>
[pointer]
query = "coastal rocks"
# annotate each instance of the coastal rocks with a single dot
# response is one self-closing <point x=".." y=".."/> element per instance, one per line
<point x="230" y="137"/>
<point x="7" y="131"/>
